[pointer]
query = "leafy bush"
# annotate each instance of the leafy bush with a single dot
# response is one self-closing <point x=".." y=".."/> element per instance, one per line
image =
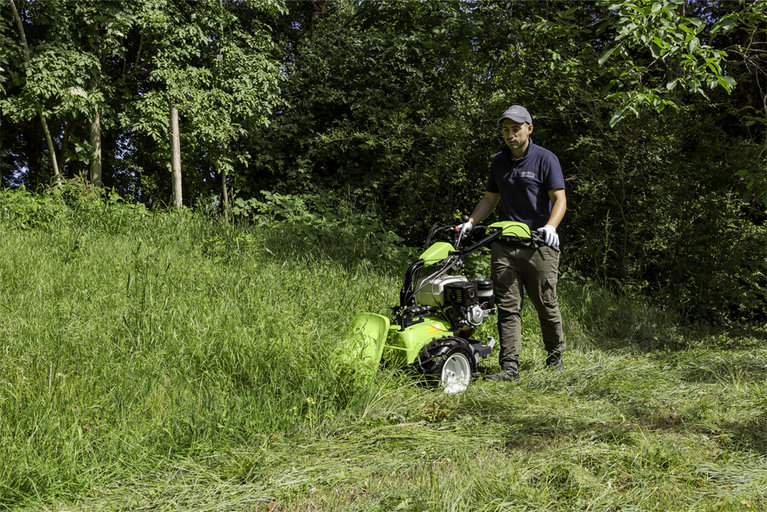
<point x="670" y="221"/>
<point x="326" y="225"/>
<point x="26" y="210"/>
<point x="75" y="200"/>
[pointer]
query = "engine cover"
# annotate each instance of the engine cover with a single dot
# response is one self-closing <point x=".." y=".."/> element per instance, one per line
<point x="431" y="292"/>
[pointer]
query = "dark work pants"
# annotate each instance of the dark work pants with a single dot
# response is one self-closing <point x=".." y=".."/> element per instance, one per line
<point x="516" y="270"/>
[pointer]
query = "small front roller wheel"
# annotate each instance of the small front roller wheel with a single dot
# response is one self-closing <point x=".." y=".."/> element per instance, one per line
<point x="455" y="371"/>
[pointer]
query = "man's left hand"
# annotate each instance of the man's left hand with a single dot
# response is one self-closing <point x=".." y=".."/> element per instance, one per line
<point x="549" y="233"/>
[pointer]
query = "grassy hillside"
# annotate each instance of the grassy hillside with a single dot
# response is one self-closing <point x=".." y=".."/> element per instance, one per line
<point x="172" y="362"/>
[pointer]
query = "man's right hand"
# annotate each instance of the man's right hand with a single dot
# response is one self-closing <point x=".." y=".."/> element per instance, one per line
<point x="464" y="228"/>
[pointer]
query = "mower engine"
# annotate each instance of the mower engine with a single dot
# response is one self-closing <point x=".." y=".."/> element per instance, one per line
<point x="465" y="302"/>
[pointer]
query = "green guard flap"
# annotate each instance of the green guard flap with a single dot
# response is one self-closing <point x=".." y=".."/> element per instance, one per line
<point x="437" y="251"/>
<point x="513" y="229"/>
<point x="363" y="346"/>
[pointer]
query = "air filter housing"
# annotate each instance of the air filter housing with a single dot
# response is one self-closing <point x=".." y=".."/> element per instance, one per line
<point x="461" y="293"/>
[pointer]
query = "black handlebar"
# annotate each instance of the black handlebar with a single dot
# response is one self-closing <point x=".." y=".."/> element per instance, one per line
<point x="489" y="238"/>
<point x="538" y="238"/>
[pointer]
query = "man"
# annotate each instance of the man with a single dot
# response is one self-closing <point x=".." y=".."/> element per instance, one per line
<point x="527" y="180"/>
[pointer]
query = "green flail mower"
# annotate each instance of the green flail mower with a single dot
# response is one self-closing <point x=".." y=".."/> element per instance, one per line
<point x="430" y="331"/>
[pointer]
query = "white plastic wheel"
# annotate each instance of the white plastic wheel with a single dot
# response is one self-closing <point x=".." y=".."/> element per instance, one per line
<point x="456" y="373"/>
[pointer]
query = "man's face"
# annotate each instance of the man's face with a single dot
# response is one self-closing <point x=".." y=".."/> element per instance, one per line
<point x="516" y="135"/>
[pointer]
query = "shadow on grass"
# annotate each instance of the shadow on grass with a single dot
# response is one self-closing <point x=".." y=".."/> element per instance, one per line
<point x="543" y="432"/>
<point x="730" y="367"/>
<point x="750" y="434"/>
<point x="351" y="246"/>
<point x="539" y="423"/>
<point x="540" y="433"/>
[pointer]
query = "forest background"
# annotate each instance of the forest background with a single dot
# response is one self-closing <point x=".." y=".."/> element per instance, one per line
<point x="657" y="111"/>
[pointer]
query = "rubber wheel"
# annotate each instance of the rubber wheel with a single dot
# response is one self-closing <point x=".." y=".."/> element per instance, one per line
<point x="454" y="370"/>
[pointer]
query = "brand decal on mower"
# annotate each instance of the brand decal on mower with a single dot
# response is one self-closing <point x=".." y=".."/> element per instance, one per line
<point x="432" y="329"/>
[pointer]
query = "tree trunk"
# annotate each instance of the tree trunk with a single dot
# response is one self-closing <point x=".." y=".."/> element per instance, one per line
<point x="51" y="149"/>
<point x="224" y="190"/>
<point x="96" y="144"/>
<point x="175" y="144"/>
<point x="48" y="139"/>
<point x="224" y="195"/>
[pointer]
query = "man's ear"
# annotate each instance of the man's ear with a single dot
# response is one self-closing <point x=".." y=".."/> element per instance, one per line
<point x="529" y="128"/>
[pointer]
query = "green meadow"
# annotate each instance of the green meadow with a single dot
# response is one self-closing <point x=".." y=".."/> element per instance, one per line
<point x="170" y="361"/>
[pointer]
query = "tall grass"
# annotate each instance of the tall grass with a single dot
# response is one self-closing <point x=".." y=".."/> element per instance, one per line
<point x="173" y="362"/>
<point x="129" y="338"/>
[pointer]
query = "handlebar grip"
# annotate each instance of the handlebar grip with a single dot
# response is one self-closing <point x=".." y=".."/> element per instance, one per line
<point x="540" y="240"/>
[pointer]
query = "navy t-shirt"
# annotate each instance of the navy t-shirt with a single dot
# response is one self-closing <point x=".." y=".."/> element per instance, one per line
<point x="524" y="184"/>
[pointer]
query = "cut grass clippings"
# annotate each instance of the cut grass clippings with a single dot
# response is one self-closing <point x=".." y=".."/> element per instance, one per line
<point x="541" y="444"/>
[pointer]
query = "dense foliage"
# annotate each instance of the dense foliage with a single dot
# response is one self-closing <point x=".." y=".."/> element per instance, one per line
<point x="657" y="110"/>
